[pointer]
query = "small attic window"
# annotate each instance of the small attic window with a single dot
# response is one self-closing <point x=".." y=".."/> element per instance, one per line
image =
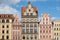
<point x="36" y="11"/>
<point x="29" y="10"/>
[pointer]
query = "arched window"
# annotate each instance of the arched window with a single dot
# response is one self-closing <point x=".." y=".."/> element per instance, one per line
<point x="3" y="21"/>
<point x="7" y="37"/>
<point x="7" y="21"/>
<point x="23" y="37"/>
<point x="7" y="26"/>
<point x="2" y="26"/>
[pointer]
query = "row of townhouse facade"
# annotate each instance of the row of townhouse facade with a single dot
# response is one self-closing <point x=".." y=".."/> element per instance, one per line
<point x="29" y="28"/>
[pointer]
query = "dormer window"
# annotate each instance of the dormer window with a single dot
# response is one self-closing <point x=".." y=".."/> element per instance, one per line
<point x="36" y="11"/>
<point x="3" y="21"/>
<point x="7" y="21"/>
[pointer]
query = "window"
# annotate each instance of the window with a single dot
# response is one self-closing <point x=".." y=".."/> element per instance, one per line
<point x="36" y="11"/>
<point x="29" y="10"/>
<point x="27" y="25"/>
<point x="7" y="31"/>
<point x="43" y="31"/>
<point x="31" y="30"/>
<point x="31" y="25"/>
<point x="40" y="36"/>
<point x="47" y="19"/>
<point x="46" y="31"/>
<point x="31" y="37"/>
<point x="57" y="28"/>
<point x="57" y="38"/>
<point x="46" y="26"/>
<point x="7" y="26"/>
<point x="35" y="25"/>
<point x="50" y="36"/>
<point x="57" y="25"/>
<point x="57" y="33"/>
<point x="43" y="22"/>
<point x="54" y="33"/>
<point x="27" y="13"/>
<point x="54" y="28"/>
<point x="23" y="25"/>
<point x="40" y="31"/>
<point x="3" y="31"/>
<point x="46" y="22"/>
<point x="49" y="26"/>
<point x="35" y="37"/>
<point x="2" y="37"/>
<point x="43" y="36"/>
<point x="23" y="30"/>
<point x="7" y="21"/>
<point x="43" y="26"/>
<point x="23" y="37"/>
<point x="27" y="30"/>
<point x="46" y="36"/>
<point x="31" y="14"/>
<point x="35" y="30"/>
<point x="2" y="26"/>
<point x="3" y="21"/>
<point x="27" y="37"/>
<point x="7" y="37"/>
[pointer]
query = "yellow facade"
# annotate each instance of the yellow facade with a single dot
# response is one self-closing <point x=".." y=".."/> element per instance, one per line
<point x="6" y="26"/>
<point x="56" y="30"/>
<point x="5" y="29"/>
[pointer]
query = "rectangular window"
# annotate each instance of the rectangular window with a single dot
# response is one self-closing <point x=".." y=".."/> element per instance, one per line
<point x="54" y="33"/>
<point x="43" y="31"/>
<point x="23" y="25"/>
<point x="40" y="36"/>
<point x="27" y="25"/>
<point x="54" y="28"/>
<point x="35" y="25"/>
<point x="35" y="30"/>
<point x="31" y="25"/>
<point x="43" y="36"/>
<point x="31" y="30"/>
<point x="27" y="30"/>
<point x="40" y="31"/>
<point x="23" y="30"/>
<point x="57" y="28"/>
<point x="46" y="31"/>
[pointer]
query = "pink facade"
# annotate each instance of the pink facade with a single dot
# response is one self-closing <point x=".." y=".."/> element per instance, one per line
<point x="45" y="27"/>
<point x="16" y="29"/>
